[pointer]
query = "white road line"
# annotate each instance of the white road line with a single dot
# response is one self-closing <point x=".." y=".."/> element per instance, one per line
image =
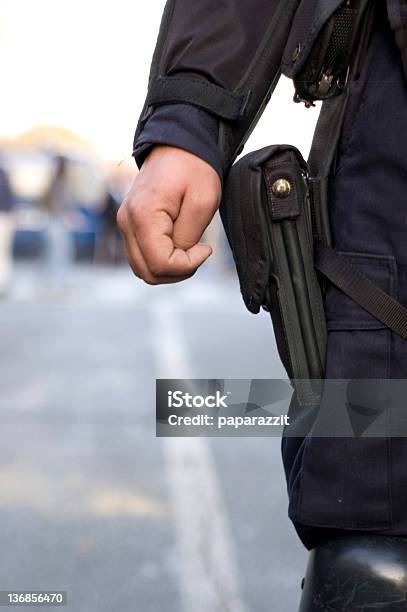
<point x="207" y="561"/>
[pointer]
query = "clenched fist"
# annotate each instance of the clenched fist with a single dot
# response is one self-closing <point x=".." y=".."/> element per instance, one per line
<point x="170" y="204"/>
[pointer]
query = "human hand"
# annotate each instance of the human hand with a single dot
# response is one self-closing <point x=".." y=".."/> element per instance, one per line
<point x="170" y="204"/>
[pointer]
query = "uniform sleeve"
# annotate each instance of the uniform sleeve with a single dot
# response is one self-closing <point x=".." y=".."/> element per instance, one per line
<point x="184" y="126"/>
<point x="216" y="38"/>
<point x="222" y="57"/>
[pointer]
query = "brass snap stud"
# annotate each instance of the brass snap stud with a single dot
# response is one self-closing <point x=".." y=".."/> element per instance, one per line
<point x="281" y="188"/>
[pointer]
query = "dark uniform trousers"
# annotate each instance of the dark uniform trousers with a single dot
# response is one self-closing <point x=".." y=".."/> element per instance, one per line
<point x="360" y="484"/>
<point x="352" y="484"/>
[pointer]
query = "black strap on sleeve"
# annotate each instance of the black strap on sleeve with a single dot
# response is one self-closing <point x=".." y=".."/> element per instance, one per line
<point x="361" y="290"/>
<point x="186" y="88"/>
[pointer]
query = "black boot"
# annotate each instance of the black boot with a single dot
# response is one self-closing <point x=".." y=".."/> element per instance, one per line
<point x="357" y="573"/>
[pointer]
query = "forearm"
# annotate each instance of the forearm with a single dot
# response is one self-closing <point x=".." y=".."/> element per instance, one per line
<point x="223" y="58"/>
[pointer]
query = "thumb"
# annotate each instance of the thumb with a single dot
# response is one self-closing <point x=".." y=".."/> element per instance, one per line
<point x="198" y="254"/>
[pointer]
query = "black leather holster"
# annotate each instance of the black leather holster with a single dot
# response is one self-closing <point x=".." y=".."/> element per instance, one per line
<point x="267" y="216"/>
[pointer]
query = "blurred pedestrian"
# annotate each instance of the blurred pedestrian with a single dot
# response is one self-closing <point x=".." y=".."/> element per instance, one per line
<point x="6" y="230"/>
<point x="109" y="245"/>
<point x="59" y="240"/>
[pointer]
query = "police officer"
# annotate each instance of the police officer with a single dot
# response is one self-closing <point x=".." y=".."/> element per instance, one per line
<point x="215" y="66"/>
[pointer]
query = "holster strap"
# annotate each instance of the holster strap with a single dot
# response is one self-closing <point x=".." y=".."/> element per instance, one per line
<point x="346" y="277"/>
<point x="225" y="104"/>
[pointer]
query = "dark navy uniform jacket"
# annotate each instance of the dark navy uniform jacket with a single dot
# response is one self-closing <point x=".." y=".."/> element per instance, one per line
<point x="216" y="40"/>
<point x="341" y="483"/>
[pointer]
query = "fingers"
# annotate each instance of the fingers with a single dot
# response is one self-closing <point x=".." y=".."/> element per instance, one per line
<point x="156" y="273"/>
<point x="163" y="258"/>
<point x="193" y="219"/>
<point x="172" y="201"/>
<point x="201" y="201"/>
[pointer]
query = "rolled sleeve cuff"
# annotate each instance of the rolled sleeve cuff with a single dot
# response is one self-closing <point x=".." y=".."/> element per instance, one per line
<point x="183" y="126"/>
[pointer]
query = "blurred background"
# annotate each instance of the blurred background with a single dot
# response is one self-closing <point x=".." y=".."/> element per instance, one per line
<point x="90" y="501"/>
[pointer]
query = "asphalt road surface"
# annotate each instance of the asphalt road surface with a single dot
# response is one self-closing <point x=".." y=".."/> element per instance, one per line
<point x="91" y="502"/>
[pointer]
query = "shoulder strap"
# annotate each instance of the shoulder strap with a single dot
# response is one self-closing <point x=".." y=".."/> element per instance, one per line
<point x="361" y="290"/>
<point x="324" y="146"/>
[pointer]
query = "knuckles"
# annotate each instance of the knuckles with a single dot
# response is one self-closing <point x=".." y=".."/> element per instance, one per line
<point x="138" y="210"/>
<point x="131" y="214"/>
<point x="137" y="217"/>
<point x="134" y="218"/>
